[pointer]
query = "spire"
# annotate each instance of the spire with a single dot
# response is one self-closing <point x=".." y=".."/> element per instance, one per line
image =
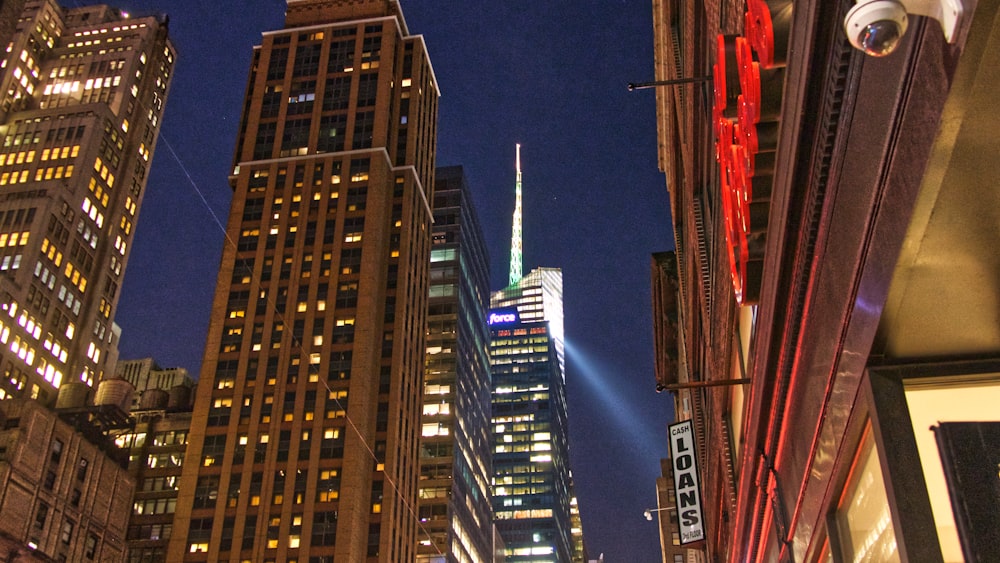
<point x="515" y="235"/>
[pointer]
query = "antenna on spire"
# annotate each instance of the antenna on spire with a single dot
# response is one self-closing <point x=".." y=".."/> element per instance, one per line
<point x="515" y="235"/>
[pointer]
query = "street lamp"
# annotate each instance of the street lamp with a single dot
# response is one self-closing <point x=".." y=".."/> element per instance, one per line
<point x="649" y="511"/>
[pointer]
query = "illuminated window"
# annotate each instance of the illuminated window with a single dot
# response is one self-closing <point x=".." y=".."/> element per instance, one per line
<point x="863" y="521"/>
<point x="442" y="254"/>
<point x="434" y="429"/>
<point x="435" y="389"/>
<point x="328" y="486"/>
<point x="436" y="409"/>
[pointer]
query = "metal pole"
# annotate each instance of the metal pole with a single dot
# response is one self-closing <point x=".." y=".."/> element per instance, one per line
<point x="643" y="85"/>
<point x="703" y="384"/>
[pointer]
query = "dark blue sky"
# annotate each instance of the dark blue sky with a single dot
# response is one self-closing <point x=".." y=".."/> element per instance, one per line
<point x="550" y="75"/>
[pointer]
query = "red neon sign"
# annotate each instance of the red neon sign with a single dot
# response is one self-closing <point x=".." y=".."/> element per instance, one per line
<point x="749" y="82"/>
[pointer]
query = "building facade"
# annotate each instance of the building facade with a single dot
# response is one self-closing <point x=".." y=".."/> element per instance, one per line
<point x="576" y="526"/>
<point x="538" y="296"/>
<point x="665" y="515"/>
<point x="309" y="401"/>
<point x="532" y="484"/>
<point x="835" y="226"/>
<point x="156" y="445"/>
<point x="10" y="12"/>
<point x="146" y="375"/>
<point x="82" y="92"/>
<point x="63" y="496"/>
<point x="455" y="506"/>
<point x="157" y="448"/>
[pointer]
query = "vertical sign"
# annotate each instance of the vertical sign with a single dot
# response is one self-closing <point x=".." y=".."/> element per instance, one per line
<point x="687" y="492"/>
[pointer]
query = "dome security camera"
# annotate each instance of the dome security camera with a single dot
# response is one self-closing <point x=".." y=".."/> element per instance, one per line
<point x="876" y="26"/>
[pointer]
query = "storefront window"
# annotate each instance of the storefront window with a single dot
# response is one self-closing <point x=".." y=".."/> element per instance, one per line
<point x="863" y="520"/>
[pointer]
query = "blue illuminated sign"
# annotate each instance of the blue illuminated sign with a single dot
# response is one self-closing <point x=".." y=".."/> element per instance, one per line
<point x="503" y="317"/>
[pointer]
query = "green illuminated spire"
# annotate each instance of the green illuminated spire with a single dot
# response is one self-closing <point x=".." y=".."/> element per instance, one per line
<point x="515" y="235"/>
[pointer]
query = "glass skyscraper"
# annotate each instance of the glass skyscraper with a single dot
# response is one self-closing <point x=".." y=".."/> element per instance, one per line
<point x="538" y="297"/>
<point x="455" y="504"/>
<point x="531" y="475"/>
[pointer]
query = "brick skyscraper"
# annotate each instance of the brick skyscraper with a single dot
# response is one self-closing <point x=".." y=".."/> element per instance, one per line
<point x="82" y="92"/>
<point x="306" y="427"/>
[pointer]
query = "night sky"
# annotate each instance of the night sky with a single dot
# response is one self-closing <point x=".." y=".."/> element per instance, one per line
<point x="548" y="74"/>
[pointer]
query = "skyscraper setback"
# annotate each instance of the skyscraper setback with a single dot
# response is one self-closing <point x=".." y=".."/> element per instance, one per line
<point x="305" y="436"/>
<point x="81" y="96"/>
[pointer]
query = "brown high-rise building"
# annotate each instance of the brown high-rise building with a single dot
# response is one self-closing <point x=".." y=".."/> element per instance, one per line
<point x="305" y="433"/>
<point x="81" y="97"/>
